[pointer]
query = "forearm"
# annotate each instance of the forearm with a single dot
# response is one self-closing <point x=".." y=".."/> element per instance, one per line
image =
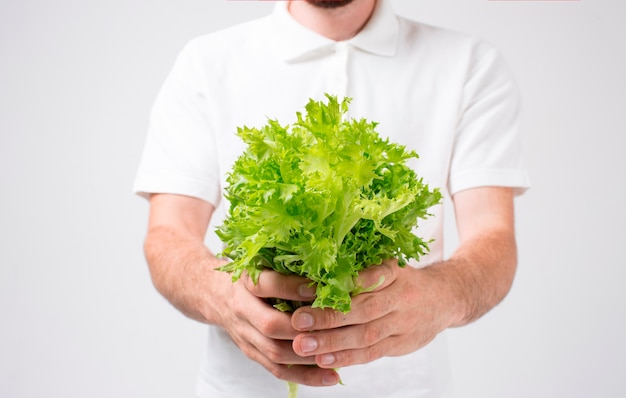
<point x="183" y="271"/>
<point x="477" y="276"/>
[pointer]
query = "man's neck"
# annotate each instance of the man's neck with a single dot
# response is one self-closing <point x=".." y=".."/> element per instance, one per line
<point x="341" y="23"/>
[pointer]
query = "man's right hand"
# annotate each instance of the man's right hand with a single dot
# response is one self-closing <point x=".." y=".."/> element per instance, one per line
<point x="265" y="334"/>
<point x="184" y="272"/>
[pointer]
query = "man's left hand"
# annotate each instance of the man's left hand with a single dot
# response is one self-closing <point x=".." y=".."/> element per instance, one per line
<point x="400" y="316"/>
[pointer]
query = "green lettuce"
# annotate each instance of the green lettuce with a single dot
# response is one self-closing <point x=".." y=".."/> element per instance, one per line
<point x="323" y="198"/>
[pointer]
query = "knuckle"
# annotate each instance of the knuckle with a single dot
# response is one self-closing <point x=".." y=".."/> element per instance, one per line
<point x="308" y="379"/>
<point x="371" y="336"/>
<point x="377" y="277"/>
<point x="333" y="319"/>
<point x="248" y="352"/>
<point x="372" y="304"/>
<point x="376" y="304"/>
<point x="279" y="371"/>
<point x="368" y="277"/>
<point x="273" y="353"/>
<point x="390" y="264"/>
<point x="310" y="376"/>
<point x="282" y="285"/>
<point x="390" y="269"/>
<point x="331" y="342"/>
<point x="248" y="282"/>
<point x="328" y="319"/>
<point x="268" y="326"/>
<point x="238" y="310"/>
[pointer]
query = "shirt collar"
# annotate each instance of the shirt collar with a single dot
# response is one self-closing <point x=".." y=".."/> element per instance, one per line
<point x="294" y="42"/>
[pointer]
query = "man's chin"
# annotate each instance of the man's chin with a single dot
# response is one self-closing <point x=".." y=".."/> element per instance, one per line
<point x="329" y="3"/>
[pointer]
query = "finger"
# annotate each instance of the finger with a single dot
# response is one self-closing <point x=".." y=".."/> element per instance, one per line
<point x="271" y="323"/>
<point x="275" y="285"/>
<point x="339" y="359"/>
<point x="250" y="310"/>
<point x="279" y="351"/>
<point x="394" y="345"/>
<point x="305" y="375"/>
<point x="347" y="338"/>
<point x="377" y="277"/>
<point x="298" y="370"/>
<point x="365" y="307"/>
<point x="262" y="331"/>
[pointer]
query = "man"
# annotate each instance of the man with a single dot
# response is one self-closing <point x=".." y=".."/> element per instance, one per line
<point x="447" y="96"/>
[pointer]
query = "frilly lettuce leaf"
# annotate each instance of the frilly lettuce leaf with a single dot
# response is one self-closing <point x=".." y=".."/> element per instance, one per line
<point x="323" y="198"/>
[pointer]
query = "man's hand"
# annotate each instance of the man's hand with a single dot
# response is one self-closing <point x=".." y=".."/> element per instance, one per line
<point x="413" y="305"/>
<point x="400" y="316"/>
<point x="184" y="271"/>
<point x="265" y="334"/>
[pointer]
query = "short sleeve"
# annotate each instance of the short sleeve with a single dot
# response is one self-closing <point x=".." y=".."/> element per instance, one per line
<point x="179" y="156"/>
<point x="488" y="147"/>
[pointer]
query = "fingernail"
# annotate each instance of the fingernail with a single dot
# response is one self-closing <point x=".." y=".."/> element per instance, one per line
<point x="306" y="291"/>
<point x="308" y="344"/>
<point x="327" y="359"/>
<point x="330" y="380"/>
<point x="303" y="320"/>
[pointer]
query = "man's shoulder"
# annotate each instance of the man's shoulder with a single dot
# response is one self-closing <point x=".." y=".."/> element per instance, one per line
<point x="417" y="30"/>
<point x="440" y="41"/>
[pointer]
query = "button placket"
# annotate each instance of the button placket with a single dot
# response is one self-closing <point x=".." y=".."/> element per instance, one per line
<point x="338" y="79"/>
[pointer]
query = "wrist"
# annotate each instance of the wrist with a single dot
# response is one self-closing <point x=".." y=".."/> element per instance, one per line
<point x="215" y="292"/>
<point x="451" y="291"/>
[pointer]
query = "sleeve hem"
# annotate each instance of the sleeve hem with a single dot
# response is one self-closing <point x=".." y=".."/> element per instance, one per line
<point x="148" y="184"/>
<point x="511" y="178"/>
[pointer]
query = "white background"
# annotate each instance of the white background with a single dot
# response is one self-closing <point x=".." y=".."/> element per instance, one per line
<point x="78" y="314"/>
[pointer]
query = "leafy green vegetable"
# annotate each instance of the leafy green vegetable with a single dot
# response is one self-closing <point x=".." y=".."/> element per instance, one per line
<point x="323" y="198"/>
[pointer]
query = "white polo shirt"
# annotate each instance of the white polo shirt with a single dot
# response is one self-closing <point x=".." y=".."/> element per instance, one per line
<point x="445" y="95"/>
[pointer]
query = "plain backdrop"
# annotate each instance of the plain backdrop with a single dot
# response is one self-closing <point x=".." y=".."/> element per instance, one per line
<point x="78" y="314"/>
